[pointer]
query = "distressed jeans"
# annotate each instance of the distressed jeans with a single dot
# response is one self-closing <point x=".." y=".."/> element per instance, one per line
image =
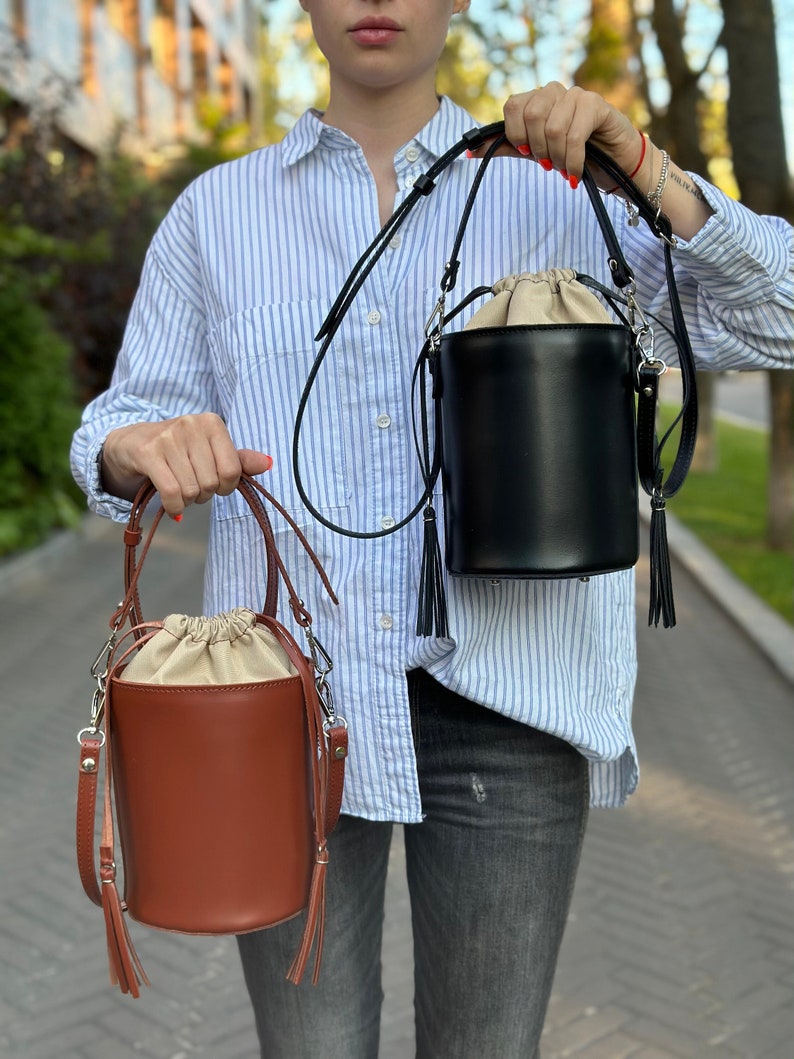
<point x="490" y="872"/>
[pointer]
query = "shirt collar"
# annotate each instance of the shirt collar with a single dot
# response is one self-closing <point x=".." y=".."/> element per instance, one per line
<point x="310" y="133"/>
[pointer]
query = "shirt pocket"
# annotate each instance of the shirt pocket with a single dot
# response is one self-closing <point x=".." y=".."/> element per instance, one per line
<point x="265" y="354"/>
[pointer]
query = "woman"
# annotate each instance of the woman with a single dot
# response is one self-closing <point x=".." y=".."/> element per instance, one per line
<point x="489" y="744"/>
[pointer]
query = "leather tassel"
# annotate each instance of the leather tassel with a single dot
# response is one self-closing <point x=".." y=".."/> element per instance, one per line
<point x="126" y="970"/>
<point x="315" y="923"/>
<point x="661" y="604"/>
<point x="431" y="617"/>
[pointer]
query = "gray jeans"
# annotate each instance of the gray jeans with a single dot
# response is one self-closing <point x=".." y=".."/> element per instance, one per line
<point x="490" y="871"/>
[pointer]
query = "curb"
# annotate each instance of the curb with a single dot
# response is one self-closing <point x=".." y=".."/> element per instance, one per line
<point x="764" y="627"/>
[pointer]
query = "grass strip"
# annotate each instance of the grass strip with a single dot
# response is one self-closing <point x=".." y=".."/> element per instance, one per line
<point x="727" y="510"/>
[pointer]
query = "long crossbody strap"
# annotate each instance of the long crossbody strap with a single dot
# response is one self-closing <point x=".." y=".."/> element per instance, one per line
<point x="660" y="487"/>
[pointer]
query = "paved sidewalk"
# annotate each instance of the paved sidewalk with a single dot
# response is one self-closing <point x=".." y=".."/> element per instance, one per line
<point x="681" y="938"/>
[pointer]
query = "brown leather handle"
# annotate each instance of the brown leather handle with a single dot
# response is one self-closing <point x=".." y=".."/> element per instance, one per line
<point x="253" y="493"/>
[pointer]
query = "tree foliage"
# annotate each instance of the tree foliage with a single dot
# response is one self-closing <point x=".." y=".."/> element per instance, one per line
<point x="38" y="410"/>
<point x="100" y="214"/>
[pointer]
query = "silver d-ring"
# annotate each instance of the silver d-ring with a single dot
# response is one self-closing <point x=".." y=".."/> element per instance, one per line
<point x="93" y="732"/>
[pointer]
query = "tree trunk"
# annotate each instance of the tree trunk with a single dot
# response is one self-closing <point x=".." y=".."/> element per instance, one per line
<point x="780" y="521"/>
<point x="679" y="133"/>
<point x="606" y="67"/>
<point x="755" y="125"/>
<point x="706" y="456"/>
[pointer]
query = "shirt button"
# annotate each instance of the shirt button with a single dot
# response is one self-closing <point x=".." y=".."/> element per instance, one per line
<point x="383" y="421"/>
<point x="410" y="181"/>
<point x="387" y="522"/>
<point x="386" y="621"/>
<point x="395" y="241"/>
<point x="412" y="154"/>
<point x="373" y="317"/>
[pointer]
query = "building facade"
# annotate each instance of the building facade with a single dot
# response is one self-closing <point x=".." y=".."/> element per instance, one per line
<point x="133" y="70"/>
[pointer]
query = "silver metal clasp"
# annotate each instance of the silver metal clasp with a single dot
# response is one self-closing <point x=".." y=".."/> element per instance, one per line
<point x="435" y="322"/>
<point x="99" y="671"/>
<point x="103" y="657"/>
<point x="643" y="333"/>
<point x="323" y="665"/>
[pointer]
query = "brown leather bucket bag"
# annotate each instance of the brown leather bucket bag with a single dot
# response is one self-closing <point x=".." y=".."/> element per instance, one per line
<point x="224" y="765"/>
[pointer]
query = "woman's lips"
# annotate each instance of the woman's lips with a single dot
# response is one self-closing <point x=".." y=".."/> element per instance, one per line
<point x="375" y="31"/>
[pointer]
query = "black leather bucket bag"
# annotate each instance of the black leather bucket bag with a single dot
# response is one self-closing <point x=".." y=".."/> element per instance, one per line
<point x="538" y="456"/>
<point x="544" y="426"/>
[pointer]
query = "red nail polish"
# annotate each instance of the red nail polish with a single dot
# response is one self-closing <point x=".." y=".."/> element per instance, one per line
<point x="523" y="148"/>
<point x="564" y="174"/>
<point x="574" y="182"/>
<point x="469" y="154"/>
<point x="547" y="164"/>
<point x="177" y="518"/>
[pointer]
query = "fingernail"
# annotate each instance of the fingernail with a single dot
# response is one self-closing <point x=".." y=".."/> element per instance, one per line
<point x="271" y="460"/>
<point x="547" y="164"/>
<point x="177" y="518"/>
<point x="564" y="174"/>
<point x="523" y="148"/>
<point x="469" y="154"/>
<point x="574" y="182"/>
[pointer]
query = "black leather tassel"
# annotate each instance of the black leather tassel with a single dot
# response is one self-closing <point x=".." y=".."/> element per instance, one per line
<point x="661" y="575"/>
<point x="431" y="617"/>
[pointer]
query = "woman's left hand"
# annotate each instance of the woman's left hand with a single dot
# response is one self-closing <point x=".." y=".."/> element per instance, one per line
<point x="552" y="124"/>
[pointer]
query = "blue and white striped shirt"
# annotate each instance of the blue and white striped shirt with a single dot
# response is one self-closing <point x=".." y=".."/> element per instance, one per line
<point x="236" y="283"/>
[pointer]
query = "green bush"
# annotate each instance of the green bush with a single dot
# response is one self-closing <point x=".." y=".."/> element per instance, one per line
<point x="38" y="415"/>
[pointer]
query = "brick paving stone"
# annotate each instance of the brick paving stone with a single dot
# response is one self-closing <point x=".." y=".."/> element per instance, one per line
<point x="680" y="943"/>
<point x="615" y="1046"/>
<point x="590" y="1026"/>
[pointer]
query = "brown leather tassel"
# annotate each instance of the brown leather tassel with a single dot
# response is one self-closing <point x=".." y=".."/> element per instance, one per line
<point x="126" y="970"/>
<point x="315" y="922"/>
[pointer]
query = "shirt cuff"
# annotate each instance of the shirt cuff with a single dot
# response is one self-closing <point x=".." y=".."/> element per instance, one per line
<point x="733" y="242"/>
<point x="100" y="501"/>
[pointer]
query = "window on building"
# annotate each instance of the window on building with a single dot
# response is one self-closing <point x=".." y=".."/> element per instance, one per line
<point x="199" y="55"/>
<point x="163" y="39"/>
<point x="88" y="70"/>
<point x="226" y="84"/>
<point x="19" y="22"/>
<point x="116" y="15"/>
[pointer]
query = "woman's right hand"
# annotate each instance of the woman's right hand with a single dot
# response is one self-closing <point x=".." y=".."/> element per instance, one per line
<point x="188" y="459"/>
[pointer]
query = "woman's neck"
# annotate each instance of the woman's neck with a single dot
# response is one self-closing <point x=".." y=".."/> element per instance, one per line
<point x="381" y="120"/>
